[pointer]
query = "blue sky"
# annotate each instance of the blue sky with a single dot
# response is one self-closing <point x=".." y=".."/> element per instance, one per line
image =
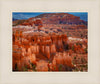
<point x="26" y="15"/>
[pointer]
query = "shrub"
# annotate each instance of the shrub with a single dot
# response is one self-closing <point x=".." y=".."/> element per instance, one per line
<point x="73" y="48"/>
<point x="74" y="57"/>
<point x="60" y="67"/>
<point x="83" y="60"/>
<point x="25" y="68"/>
<point x="66" y="47"/>
<point x="85" y="50"/>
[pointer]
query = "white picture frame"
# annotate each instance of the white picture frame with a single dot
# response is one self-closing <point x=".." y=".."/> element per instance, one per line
<point x="7" y="76"/>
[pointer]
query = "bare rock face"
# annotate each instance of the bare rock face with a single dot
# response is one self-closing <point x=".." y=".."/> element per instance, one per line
<point x="33" y="58"/>
<point x="47" y="51"/>
<point x="51" y="44"/>
<point x="53" y="49"/>
<point x="42" y="66"/>
<point x="42" y="49"/>
<point x="61" y="62"/>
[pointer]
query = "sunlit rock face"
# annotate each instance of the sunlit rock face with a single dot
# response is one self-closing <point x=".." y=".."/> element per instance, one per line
<point x="42" y="66"/>
<point x="52" y="49"/>
<point x="61" y="62"/>
<point x="27" y="48"/>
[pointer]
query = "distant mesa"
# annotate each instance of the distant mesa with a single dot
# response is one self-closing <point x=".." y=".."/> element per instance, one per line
<point x="58" y="18"/>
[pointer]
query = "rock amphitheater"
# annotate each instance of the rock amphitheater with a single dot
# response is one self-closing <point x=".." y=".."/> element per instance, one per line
<point x="38" y="51"/>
